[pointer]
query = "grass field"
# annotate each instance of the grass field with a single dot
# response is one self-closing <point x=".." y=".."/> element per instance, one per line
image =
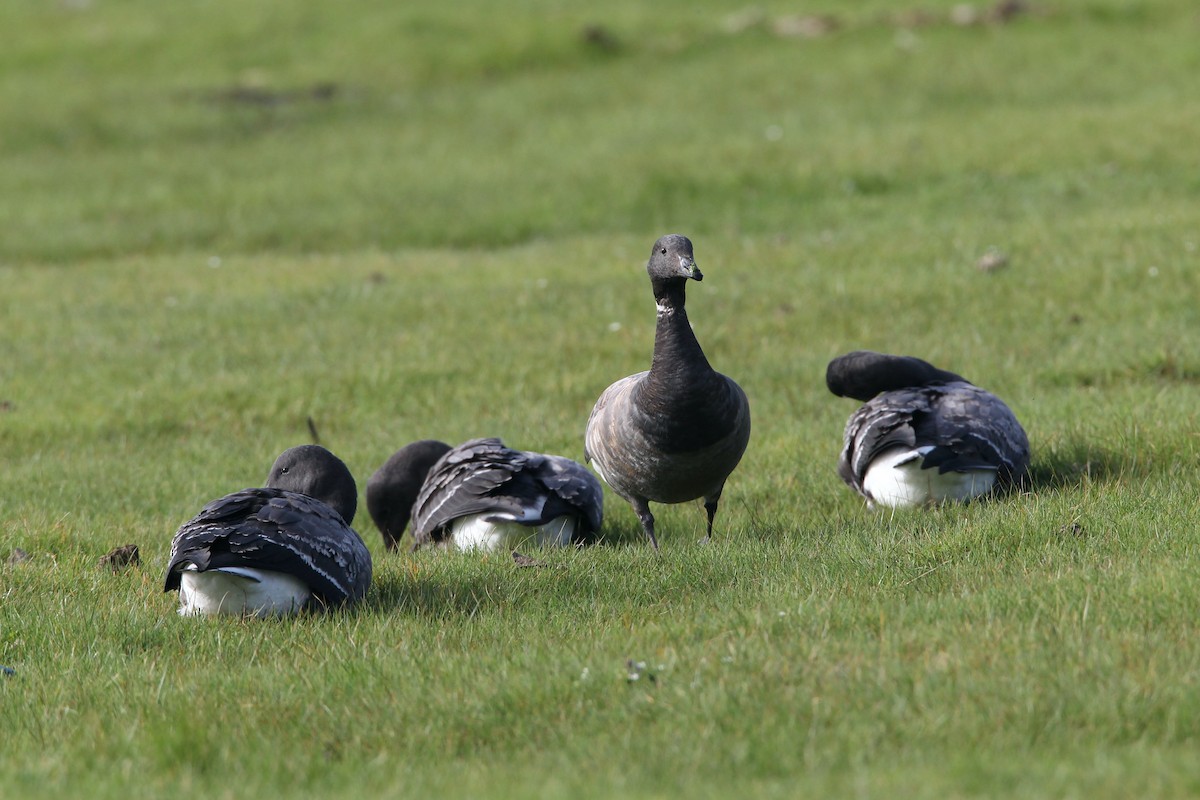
<point x="411" y="220"/>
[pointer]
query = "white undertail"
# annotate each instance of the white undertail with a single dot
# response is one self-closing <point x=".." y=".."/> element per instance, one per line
<point x="488" y="532"/>
<point x="896" y="479"/>
<point x="240" y="591"/>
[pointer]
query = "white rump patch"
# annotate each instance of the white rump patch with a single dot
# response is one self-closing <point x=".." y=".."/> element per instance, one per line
<point x="477" y="532"/>
<point x="241" y="591"/>
<point x="895" y="479"/>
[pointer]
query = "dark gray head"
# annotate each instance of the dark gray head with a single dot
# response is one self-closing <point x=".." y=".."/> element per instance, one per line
<point x="394" y="487"/>
<point x="865" y="373"/>
<point x="312" y="470"/>
<point x="671" y="263"/>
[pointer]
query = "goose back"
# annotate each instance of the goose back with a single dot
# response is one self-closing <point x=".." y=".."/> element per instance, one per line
<point x="274" y="530"/>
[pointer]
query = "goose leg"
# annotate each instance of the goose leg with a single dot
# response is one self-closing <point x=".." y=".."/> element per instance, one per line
<point x="642" y="509"/>
<point x="710" y="506"/>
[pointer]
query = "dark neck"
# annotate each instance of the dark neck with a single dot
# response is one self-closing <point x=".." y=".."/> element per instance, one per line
<point x="686" y="405"/>
<point x="863" y="374"/>
<point x="676" y="351"/>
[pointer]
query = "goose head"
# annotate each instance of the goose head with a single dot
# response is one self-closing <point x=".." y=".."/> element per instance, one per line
<point x="671" y="263"/>
<point x="314" y="471"/>
<point x="394" y="487"/>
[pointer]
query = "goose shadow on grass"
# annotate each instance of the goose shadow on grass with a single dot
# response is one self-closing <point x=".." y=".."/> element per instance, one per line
<point x="1074" y="464"/>
<point x="437" y="596"/>
<point x="434" y="593"/>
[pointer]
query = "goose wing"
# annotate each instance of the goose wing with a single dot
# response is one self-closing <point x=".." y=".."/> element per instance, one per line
<point x="973" y="428"/>
<point x="468" y="480"/>
<point x="485" y="476"/>
<point x="574" y="490"/>
<point x="610" y="412"/>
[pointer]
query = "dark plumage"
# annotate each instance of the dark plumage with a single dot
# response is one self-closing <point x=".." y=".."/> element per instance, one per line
<point x="675" y="432"/>
<point x="924" y="435"/>
<point x="273" y="550"/>
<point x="865" y="373"/>
<point x="394" y="487"/>
<point x="484" y="495"/>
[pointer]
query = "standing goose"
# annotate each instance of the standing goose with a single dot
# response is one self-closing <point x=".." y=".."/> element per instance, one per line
<point x="917" y="418"/>
<point x="675" y="432"/>
<point x="483" y="495"/>
<point x="272" y="551"/>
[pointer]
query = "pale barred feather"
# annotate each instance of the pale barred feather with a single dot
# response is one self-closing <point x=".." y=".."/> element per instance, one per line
<point x="484" y="478"/>
<point x="953" y="427"/>
<point x="278" y="531"/>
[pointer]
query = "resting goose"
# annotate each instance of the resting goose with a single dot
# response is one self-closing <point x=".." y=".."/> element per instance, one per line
<point x="924" y="435"/>
<point x="675" y="432"/>
<point x="483" y="495"/>
<point x="272" y="551"/>
<point x="393" y="488"/>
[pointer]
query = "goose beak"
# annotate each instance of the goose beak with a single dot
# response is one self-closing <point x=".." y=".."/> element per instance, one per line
<point x="688" y="268"/>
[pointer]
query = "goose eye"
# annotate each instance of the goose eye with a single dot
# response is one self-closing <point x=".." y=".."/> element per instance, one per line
<point x="663" y="251"/>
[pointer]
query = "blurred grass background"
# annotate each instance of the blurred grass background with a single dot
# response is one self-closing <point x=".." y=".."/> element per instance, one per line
<point x="409" y="220"/>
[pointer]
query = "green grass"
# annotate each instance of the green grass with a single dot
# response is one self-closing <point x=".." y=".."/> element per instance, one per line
<point x="418" y="220"/>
